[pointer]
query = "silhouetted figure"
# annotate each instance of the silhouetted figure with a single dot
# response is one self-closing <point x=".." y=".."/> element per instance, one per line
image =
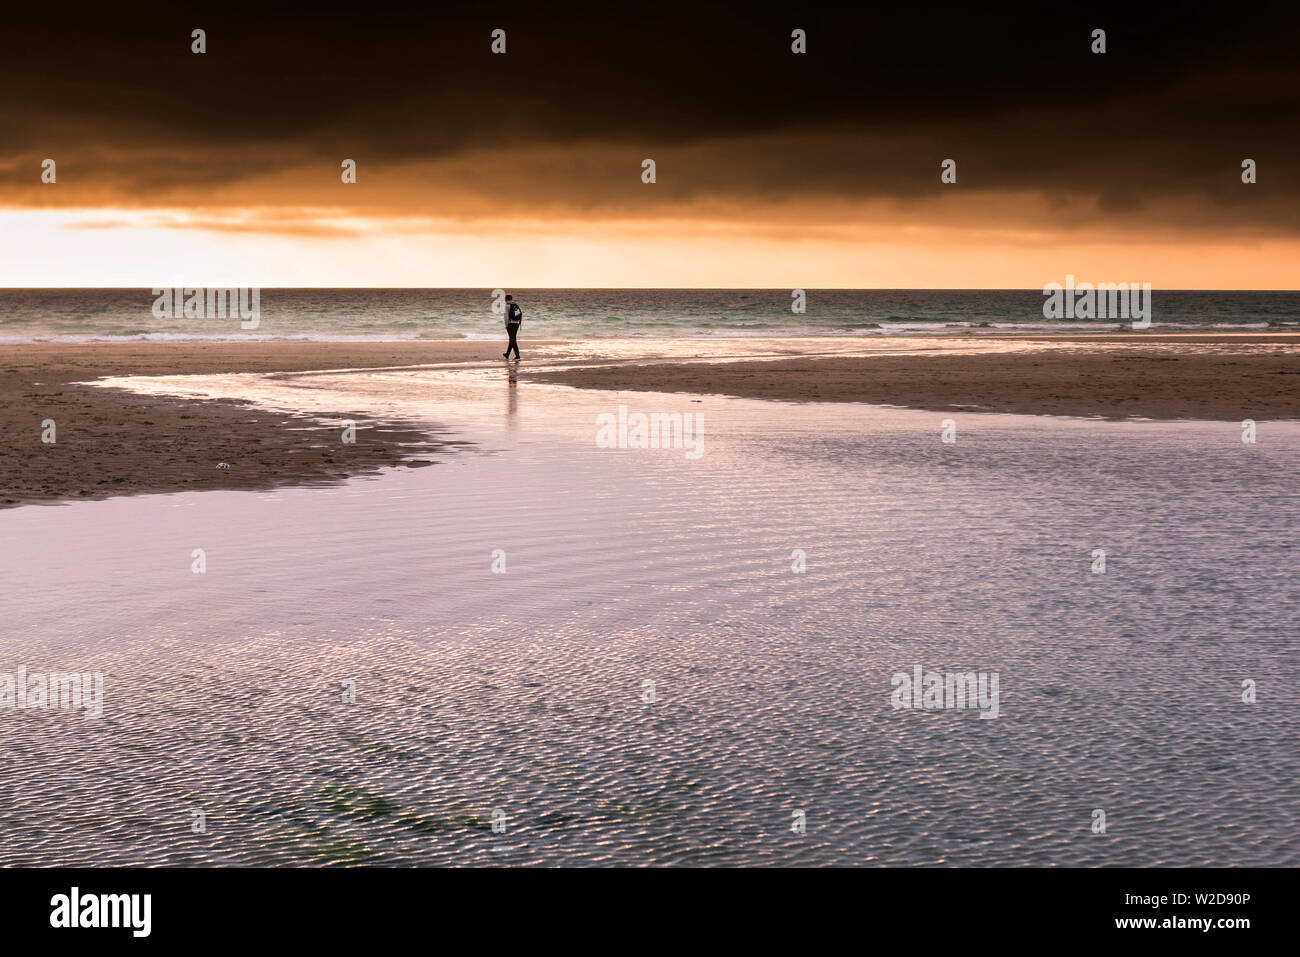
<point x="514" y="316"/>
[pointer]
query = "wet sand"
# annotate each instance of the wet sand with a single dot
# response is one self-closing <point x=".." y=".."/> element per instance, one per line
<point x="112" y="442"/>
<point x="1223" y="378"/>
<point x="524" y="690"/>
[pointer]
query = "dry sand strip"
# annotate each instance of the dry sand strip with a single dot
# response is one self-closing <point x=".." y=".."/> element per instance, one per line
<point x="1237" y="380"/>
<point x="114" y="442"/>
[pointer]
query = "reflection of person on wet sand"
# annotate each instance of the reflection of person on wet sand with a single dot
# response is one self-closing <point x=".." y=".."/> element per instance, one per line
<point x="512" y="397"/>
<point x="514" y="316"/>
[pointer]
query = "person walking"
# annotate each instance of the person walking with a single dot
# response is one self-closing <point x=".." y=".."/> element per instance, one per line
<point x="514" y="316"/>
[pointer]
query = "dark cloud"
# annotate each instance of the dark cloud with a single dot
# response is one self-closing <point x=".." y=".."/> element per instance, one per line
<point x="1160" y="122"/>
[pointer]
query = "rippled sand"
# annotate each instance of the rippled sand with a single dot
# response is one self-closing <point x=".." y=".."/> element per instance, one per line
<point x="523" y="692"/>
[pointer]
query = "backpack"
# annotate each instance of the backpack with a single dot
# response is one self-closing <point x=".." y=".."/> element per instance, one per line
<point x="514" y="314"/>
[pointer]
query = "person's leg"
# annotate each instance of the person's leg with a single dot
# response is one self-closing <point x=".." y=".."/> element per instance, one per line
<point x="514" y="344"/>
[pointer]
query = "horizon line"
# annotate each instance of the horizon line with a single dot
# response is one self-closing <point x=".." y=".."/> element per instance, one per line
<point x="5" y="286"/>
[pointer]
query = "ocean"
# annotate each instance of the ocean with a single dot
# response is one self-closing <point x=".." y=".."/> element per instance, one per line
<point x="80" y="315"/>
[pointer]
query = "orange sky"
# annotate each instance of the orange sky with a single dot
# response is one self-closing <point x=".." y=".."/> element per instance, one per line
<point x="579" y="215"/>
<point x="110" y="247"/>
<point x="482" y="170"/>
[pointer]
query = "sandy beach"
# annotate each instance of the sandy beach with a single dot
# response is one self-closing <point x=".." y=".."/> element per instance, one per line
<point x="1215" y="377"/>
<point x="501" y="613"/>
<point x="112" y="441"/>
